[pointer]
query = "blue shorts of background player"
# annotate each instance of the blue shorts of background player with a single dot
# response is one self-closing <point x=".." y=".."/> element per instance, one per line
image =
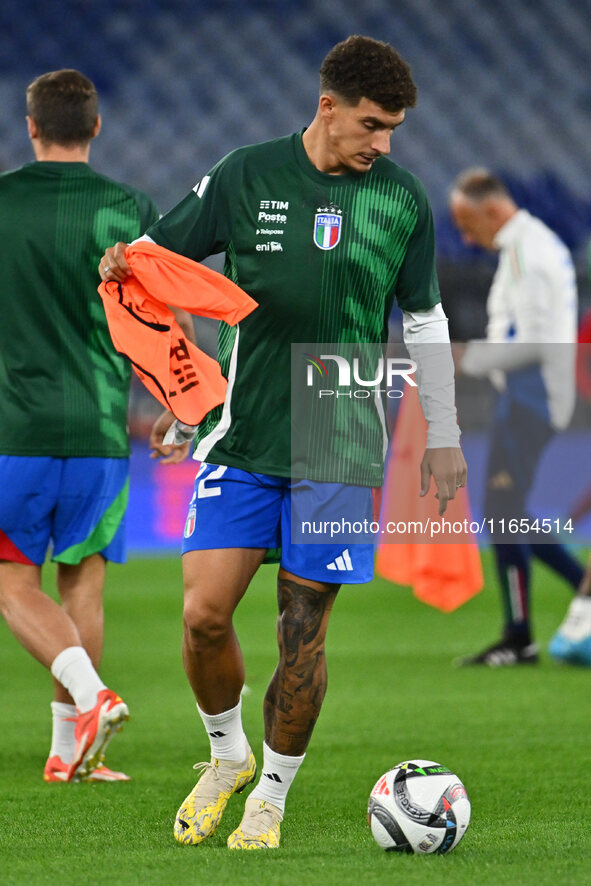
<point x="232" y="508"/>
<point x="76" y="505"/>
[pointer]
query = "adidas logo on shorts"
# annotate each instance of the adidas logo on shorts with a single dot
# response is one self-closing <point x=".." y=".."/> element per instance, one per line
<point x="342" y="563"/>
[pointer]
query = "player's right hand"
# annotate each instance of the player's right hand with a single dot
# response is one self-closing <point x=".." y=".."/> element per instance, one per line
<point x="113" y="265"/>
<point x="448" y="468"/>
<point x="167" y="453"/>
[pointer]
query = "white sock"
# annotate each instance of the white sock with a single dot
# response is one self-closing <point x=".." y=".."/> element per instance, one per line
<point x="74" y="670"/>
<point x="226" y="735"/>
<point x="63" y="744"/>
<point x="577" y="623"/>
<point x="278" y="773"/>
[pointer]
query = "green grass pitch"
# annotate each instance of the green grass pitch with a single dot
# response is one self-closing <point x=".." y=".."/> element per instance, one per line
<point x="519" y="739"/>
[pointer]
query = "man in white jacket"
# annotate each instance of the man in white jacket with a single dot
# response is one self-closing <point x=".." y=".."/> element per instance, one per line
<point x="529" y="355"/>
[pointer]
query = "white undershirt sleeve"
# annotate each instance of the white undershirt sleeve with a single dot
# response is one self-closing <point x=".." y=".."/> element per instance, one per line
<point x="143" y="239"/>
<point x="426" y="336"/>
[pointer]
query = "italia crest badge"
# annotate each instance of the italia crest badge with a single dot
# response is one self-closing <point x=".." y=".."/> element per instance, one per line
<point x="191" y="520"/>
<point x="328" y="223"/>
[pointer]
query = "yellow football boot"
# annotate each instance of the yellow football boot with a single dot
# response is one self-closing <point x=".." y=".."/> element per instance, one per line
<point x="260" y="827"/>
<point x="200" y="813"/>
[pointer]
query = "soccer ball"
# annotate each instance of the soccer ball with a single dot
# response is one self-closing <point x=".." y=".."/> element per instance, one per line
<point x="419" y="806"/>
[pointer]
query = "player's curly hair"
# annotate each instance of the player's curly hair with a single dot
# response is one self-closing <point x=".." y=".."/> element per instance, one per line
<point x="360" y="67"/>
<point x="64" y="105"/>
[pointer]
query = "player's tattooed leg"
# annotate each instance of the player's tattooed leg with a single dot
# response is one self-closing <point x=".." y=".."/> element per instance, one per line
<point x="296" y="692"/>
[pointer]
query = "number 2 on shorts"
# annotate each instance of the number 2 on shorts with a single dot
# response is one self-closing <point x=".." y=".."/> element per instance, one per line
<point x="204" y="490"/>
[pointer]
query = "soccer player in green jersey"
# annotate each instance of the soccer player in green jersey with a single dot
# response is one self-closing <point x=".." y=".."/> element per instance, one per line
<point x="63" y="407"/>
<point x="324" y="233"/>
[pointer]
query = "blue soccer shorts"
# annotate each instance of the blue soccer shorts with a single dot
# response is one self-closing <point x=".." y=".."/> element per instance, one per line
<point x="232" y="508"/>
<point x="77" y="505"/>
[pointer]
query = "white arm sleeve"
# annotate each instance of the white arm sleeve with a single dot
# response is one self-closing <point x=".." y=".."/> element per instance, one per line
<point x="179" y="433"/>
<point x="426" y="336"/>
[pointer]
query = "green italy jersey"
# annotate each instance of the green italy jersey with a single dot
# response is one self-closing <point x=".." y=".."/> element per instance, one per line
<point x="324" y="256"/>
<point x="63" y="388"/>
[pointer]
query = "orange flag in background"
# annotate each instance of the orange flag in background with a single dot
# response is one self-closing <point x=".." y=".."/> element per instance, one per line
<point x="442" y="574"/>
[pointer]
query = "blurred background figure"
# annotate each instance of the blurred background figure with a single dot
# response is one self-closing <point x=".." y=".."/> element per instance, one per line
<point x="64" y="450"/>
<point x="529" y="353"/>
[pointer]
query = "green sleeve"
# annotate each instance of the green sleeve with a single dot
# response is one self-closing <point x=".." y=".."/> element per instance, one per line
<point x="148" y="212"/>
<point x="201" y="224"/>
<point x="417" y="288"/>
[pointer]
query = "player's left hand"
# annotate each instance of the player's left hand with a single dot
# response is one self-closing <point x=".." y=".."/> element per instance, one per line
<point x="448" y="468"/>
<point x="169" y="453"/>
